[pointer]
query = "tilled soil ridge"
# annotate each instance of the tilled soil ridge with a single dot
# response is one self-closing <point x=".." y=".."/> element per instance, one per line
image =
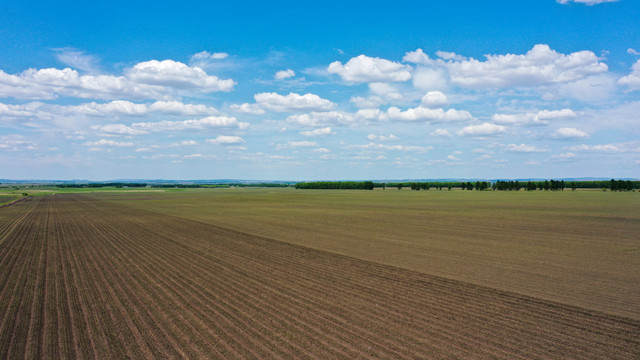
<point x="82" y="278"/>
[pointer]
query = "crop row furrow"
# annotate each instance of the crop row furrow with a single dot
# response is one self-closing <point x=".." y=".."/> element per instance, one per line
<point x="543" y="316"/>
<point x="542" y="338"/>
<point x="33" y="348"/>
<point x="12" y="248"/>
<point x="131" y="286"/>
<point x="109" y="243"/>
<point x="285" y="297"/>
<point x="247" y="260"/>
<point x="238" y="299"/>
<point x="288" y="295"/>
<point x="15" y="295"/>
<point x="172" y="286"/>
<point x="98" y="314"/>
<point x="83" y="278"/>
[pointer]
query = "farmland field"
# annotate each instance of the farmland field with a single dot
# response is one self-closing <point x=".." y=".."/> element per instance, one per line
<point x="580" y="248"/>
<point x="7" y="198"/>
<point x="185" y="274"/>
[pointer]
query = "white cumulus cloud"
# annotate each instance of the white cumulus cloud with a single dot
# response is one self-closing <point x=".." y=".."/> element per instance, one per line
<point x="196" y="124"/>
<point x="434" y="99"/>
<point x="317" y="132"/>
<point x="293" y="102"/>
<point x="538" y="118"/>
<point x="296" y="144"/>
<point x="118" y="129"/>
<point x="247" y="108"/>
<point x="484" y="129"/>
<point x="586" y="2"/>
<point x="105" y="142"/>
<point x="410" y="148"/>
<point x="285" y="74"/>
<point x="632" y="81"/>
<point x="178" y="75"/>
<point x="226" y="140"/>
<point x="184" y="143"/>
<point x="179" y="108"/>
<point x="418" y="57"/>
<point x="569" y="133"/>
<point x="421" y="113"/>
<point x="524" y="148"/>
<point x="116" y="107"/>
<point x="607" y="148"/>
<point x="368" y="114"/>
<point x="146" y="80"/>
<point x="363" y="69"/>
<point x="374" y="137"/>
<point x="539" y="66"/>
<point x="205" y="55"/>
<point x="316" y="119"/>
<point x="447" y="55"/>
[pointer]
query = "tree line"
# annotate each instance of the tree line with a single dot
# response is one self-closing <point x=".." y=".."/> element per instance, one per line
<point x="166" y="186"/>
<point x="100" y="185"/>
<point x="331" y="185"/>
<point x="478" y="185"/>
<point x="499" y="185"/>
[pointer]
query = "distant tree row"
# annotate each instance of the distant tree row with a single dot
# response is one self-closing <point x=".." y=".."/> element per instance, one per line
<point x="269" y="185"/>
<point x="100" y="185"/>
<point x="615" y="185"/>
<point x="196" y="186"/>
<point x="500" y="185"/>
<point x="420" y="185"/>
<point x="560" y="185"/>
<point x="350" y="185"/>
<point x="165" y="186"/>
<point x="622" y="185"/>
<point x="479" y="185"/>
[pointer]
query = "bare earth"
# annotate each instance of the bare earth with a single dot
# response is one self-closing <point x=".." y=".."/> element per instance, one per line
<point x="85" y="278"/>
<point x="580" y="248"/>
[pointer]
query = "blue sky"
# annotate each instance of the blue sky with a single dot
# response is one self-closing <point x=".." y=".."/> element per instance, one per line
<point x="319" y="90"/>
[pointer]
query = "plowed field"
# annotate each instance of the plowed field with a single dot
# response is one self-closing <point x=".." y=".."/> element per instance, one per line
<point x="84" y="278"/>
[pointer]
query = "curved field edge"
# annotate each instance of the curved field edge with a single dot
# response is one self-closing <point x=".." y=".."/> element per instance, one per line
<point x="579" y="248"/>
<point x="6" y="200"/>
<point x="88" y="279"/>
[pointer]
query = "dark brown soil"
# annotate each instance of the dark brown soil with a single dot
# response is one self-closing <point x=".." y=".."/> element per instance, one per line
<point x="82" y="278"/>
